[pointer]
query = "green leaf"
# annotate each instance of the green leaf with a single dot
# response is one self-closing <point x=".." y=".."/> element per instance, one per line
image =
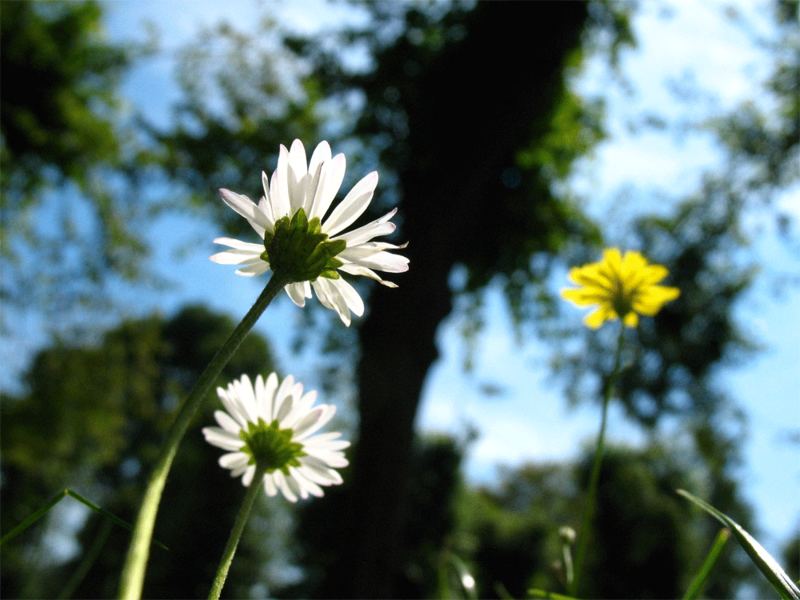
<point x="537" y="593"/>
<point x="762" y="559"/>
<point x="38" y="514"/>
<point x="708" y="564"/>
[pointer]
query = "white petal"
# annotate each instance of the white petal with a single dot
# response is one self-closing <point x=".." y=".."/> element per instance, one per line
<point x="323" y="437"/>
<point x="232" y="406"/>
<point x="239" y="471"/>
<point x="305" y="483"/>
<point x="269" y="396"/>
<point x="251" y="270"/>
<point x="280" y="483"/>
<point x="247" y="398"/>
<point x="321" y="155"/>
<point x="295" y="486"/>
<point x="353" y="205"/>
<point x="269" y="486"/>
<point x="235" y="257"/>
<point x="226" y="422"/>
<point x="350" y="295"/>
<point x="354" y="269"/>
<point x="320" y="473"/>
<point x="246" y="208"/>
<point x="383" y="261"/>
<point x="265" y="185"/>
<point x="371" y="230"/>
<point x="266" y="208"/>
<point x="330" y="297"/>
<point x="296" y="292"/>
<point x="233" y="460"/>
<point x="279" y="188"/>
<point x="288" y="413"/>
<point x="329" y="446"/>
<point x="322" y="294"/>
<point x="298" y="170"/>
<point x="306" y="402"/>
<point x="330" y="181"/>
<point x="260" y="392"/>
<point x="248" y="476"/>
<point x="222" y="439"/>
<point x="313" y="421"/>
<point x="283" y="399"/>
<point x="239" y="245"/>
<point x="333" y="459"/>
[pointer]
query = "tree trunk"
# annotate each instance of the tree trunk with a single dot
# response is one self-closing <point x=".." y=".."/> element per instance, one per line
<point x="479" y="102"/>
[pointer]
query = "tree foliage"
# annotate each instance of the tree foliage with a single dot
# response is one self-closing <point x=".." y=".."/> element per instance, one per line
<point x="70" y="161"/>
<point x="92" y="418"/>
<point x="645" y="544"/>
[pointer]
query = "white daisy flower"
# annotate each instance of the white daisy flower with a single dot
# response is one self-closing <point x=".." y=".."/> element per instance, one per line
<point x="298" y="198"/>
<point x="274" y="425"/>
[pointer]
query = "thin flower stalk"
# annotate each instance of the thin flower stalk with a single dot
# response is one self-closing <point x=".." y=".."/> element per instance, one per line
<point x="234" y="537"/>
<point x="584" y="533"/>
<point x="138" y="551"/>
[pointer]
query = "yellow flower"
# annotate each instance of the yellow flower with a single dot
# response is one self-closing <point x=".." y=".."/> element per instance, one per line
<point x="619" y="286"/>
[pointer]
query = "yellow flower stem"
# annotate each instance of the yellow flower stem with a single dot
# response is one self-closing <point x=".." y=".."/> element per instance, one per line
<point x="138" y="550"/>
<point x="584" y="533"/>
<point x="236" y="534"/>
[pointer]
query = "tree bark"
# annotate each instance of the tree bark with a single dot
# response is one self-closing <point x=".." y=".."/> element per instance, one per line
<point x="481" y="101"/>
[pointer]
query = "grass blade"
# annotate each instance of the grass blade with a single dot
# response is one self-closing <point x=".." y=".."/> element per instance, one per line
<point x="111" y="516"/>
<point x="537" y="593"/>
<point x="699" y="580"/>
<point x="41" y="512"/>
<point x="768" y="566"/>
<point x="31" y="519"/>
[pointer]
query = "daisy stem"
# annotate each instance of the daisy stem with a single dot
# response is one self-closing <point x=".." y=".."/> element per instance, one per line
<point x="236" y="533"/>
<point x="138" y="550"/>
<point x="584" y="533"/>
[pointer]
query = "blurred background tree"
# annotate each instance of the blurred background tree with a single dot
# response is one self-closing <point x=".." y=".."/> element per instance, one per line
<point x="71" y="161"/>
<point x="92" y="419"/>
<point x="470" y="114"/>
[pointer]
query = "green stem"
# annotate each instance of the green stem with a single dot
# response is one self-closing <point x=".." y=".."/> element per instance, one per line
<point x="136" y="560"/>
<point x="584" y="533"/>
<point x="566" y="555"/>
<point x="236" y="534"/>
<point x="699" y="580"/>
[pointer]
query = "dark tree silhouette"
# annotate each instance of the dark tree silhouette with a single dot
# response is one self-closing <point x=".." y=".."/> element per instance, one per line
<point x="92" y="418"/>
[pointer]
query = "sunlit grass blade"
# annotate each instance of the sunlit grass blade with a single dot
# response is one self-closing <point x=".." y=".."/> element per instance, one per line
<point x="768" y="566"/>
<point x="537" y="593"/>
<point x="41" y="512"/>
<point x="450" y="564"/>
<point x="708" y="565"/>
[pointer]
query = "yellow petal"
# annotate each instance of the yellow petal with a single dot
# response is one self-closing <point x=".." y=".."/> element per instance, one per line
<point x="597" y="317"/>
<point x="613" y="258"/>
<point x="650" y="299"/>
<point x="633" y="262"/>
<point x="584" y="296"/>
<point x="631" y="319"/>
<point x="654" y="273"/>
<point x="591" y="275"/>
<point x="659" y="293"/>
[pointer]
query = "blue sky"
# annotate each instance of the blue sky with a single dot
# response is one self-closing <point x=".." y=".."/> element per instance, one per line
<point x="531" y="420"/>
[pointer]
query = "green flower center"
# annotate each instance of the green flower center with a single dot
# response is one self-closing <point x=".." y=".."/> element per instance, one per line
<point x="271" y="447"/>
<point x="298" y="250"/>
<point x="621" y="301"/>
